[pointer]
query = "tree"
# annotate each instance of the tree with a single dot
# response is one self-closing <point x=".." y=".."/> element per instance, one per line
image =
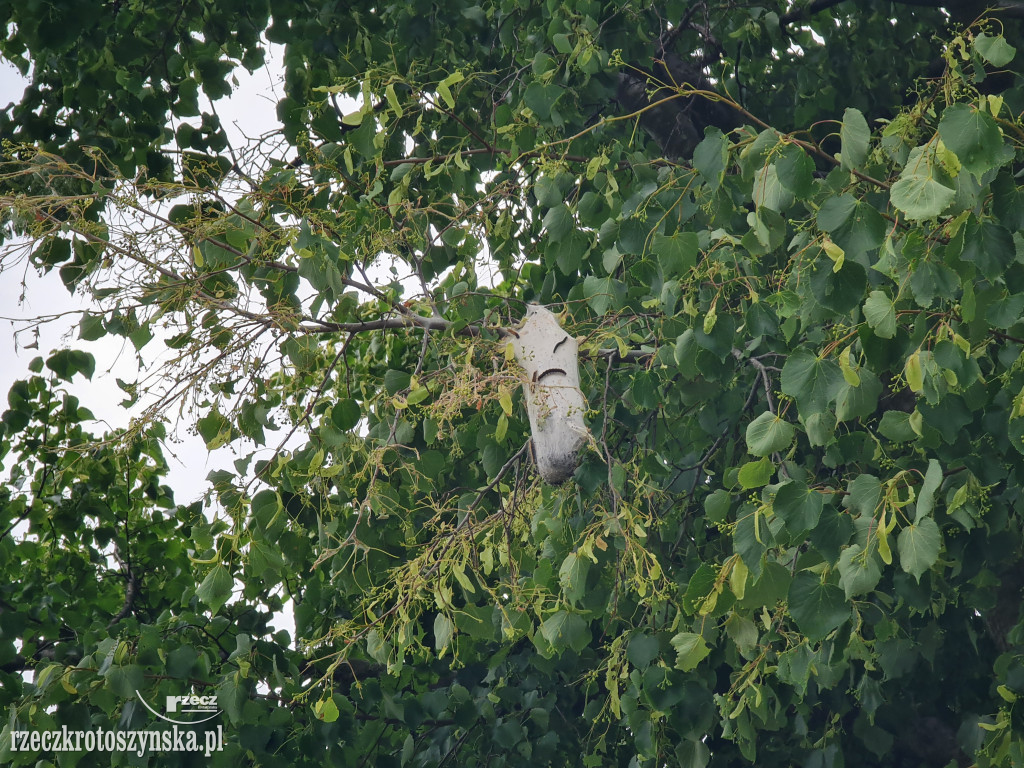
<point x="789" y="241"/>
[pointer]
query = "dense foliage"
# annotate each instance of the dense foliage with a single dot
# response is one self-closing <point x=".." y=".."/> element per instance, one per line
<point x="790" y="240"/>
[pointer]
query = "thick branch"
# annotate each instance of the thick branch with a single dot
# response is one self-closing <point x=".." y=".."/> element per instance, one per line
<point x="131" y="592"/>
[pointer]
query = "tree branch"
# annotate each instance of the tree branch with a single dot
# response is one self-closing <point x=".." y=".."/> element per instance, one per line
<point x="131" y="592"/>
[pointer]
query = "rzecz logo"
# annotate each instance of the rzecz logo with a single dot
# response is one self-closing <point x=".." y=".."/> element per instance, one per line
<point x="188" y="705"/>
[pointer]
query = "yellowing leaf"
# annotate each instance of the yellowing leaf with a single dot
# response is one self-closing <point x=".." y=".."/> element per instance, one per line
<point x="393" y="102"/>
<point x="914" y="373"/>
<point x="851" y="376"/>
<point x="883" y="540"/>
<point x="354" y="119"/>
<point x="709" y="320"/>
<point x="444" y="88"/>
<point x="738" y="578"/>
<point x="834" y="252"/>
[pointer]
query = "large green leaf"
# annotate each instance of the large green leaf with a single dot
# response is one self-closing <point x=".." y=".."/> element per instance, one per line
<point x="710" y="157"/>
<point x="816" y="607"/>
<point x="812" y="381"/>
<point x="921" y="196"/>
<point x="215" y="588"/>
<point x="995" y="50"/>
<point x="798" y="506"/>
<point x="926" y="496"/>
<point x="690" y="650"/>
<point x="565" y="630"/>
<point x="677" y="254"/>
<point x="572" y="575"/>
<point x="919" y="545"/>
<point x="974" y="136"/>
<point x="880" y="314"/>
<point x="859" y="571"/>
<point x="768" y="433"/>
<point x="854" y="135"/>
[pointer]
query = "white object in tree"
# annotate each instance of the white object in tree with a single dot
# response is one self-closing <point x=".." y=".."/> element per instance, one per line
<point x="554" y="402"/>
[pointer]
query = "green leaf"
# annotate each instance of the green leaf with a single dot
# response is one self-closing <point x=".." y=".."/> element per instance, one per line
<point x="797" y="506"/>
<point x="863" y="495"/>
<point x="832" y="532"/>
<point x="444" y="630"/>
<point x="548" y="191"/>
<point x="91" y="327"/>
<point x="569" y="252"/>
<point x="642" y="650"/>
<point x="751" y="537"/>
<point x="768" y="433"/>
<point x="990" y="246"/>
<point x="541" y="98"/>
<point x="856" y="402"/>
<point x="930" y="280"/>
<point x="692" y="753"/>
<point x="685" y="353"/>
<point x="811" y="381"/>
<point x="232" y="697"/>
<point x="921" y="197"/>
<point x="880" y="314"/>
<point x="346" y="414"/>
<point x="994" y="49"/>
<point x="663" y="688"/>
<point x="895" y="425"/>
<point x="697" y="589"/>
<point x="821" y="428"/>
<point x="214" y="429"/>
<point x="859" y="571"/>
<point x="769" y="191"/>
<point x="444" y="88"/>
<point x="67" y="362"/>
<point x="716" y="506"/>
<point x="351" y="119"/>
<point x="216" y="588"/>
<point x="690" y="650"/>
<point x="566" y="630"/>
<point x="326" y="710"/>
<point x="835" y="212"/>
<point x="124" y="681"/>
<point x="559" y="222"/>
<point x="918" y="545"/>
<point x="676" y="254"/>
<point x="854" y="135"/>
<point x="974" y="136"/>
<point x="710" y="157"/>
<point x="816" y="607"/>
<point x="378" y="648"/>
<point x="754" y="474"/>
<point x="572" y="576"/>
<point x="396" y="381"/>
<point x="926" y="496"/>
<point x="795" y="170"/>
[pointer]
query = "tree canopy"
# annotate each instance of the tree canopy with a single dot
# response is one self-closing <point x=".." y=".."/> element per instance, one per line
<point x="788" y="239"/>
